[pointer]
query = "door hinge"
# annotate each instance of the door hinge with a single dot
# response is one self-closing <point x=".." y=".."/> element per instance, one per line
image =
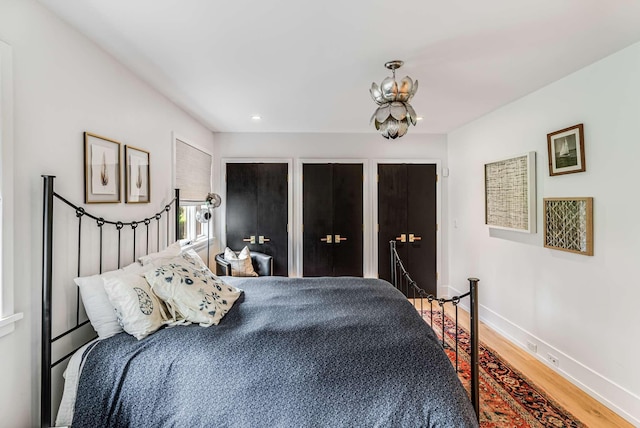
<point x="437" y="178"/>
<point x="437" y="276"/>
<point x="377" y="178"/>
<point x="437" y="227"/>
<point x="303" y="227"/>
<point x="287" y="227"/>
<point x="378" y="227"/>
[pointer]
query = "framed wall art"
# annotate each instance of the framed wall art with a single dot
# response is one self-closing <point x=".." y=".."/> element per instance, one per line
<point x="510" y="193"/>
<point x="137" y="169"/>
<point x="101" y="169"/>
<point x="566" y="150"/>
<point x="568" y="225"/>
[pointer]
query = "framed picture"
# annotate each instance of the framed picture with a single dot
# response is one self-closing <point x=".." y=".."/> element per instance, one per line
<point x="101" y="169"/>
<point x="510" y="193"/>
<point x="137" y="187"/>
<point x="566" y="150"/>
<point x="568" y="225"/>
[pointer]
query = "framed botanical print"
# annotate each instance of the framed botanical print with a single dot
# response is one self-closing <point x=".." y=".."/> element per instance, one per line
<point x="566" y="150"/>
<point x="137" y="169"/>
<point x="101" y="169"/>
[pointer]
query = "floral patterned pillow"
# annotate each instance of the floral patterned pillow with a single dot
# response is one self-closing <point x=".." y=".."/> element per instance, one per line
<point x="191" y="291"/>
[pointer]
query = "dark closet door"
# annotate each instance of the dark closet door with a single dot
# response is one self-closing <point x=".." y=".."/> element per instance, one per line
<point x="347" y="219"/>
<point x="317" y="207"/>
<point x="392" y="214"/>
<point x="241" y="205"/>
<point x="257" y="210"/>
<point x="332" y="219"/>
<point x="273" y="210"/>
<point x="407" y="214"/>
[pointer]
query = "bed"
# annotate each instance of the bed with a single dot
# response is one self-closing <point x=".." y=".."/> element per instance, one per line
<point x="290" y="352"/>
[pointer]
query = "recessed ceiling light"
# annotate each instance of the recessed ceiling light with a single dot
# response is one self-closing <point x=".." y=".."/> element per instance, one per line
<point x="419" y="118"/>
<point x="256" y="117"/>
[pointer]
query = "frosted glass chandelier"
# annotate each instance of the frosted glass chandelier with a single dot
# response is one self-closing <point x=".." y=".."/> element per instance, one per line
<point x="394" y="113"/>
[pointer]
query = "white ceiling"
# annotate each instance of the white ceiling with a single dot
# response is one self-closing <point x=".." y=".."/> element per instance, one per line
<point x="306" y="66"/>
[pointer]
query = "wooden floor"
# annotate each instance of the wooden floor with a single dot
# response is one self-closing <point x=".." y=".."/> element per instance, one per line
<point x="580" y="404"/>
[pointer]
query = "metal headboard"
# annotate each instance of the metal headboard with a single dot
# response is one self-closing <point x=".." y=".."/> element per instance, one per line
<point x="47" y="279"/>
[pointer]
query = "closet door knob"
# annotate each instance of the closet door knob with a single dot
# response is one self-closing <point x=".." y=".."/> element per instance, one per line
<point x="339" y="239"/>
<point x="413" y="238"/>
<point x="251" y="239"/>
<point x="328" y="239"/>
<point x="402" y="238"/>
<point x="262" y="239"/>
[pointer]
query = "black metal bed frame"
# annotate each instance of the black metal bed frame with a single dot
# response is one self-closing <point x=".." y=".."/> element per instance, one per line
<point x="47" y="279"/>
<point x="401" y="279"/>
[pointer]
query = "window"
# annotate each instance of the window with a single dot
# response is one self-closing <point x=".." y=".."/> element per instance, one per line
<point x="193" y="176"/>
<point x="7" y="316"/>
<point x="190" y="226"/>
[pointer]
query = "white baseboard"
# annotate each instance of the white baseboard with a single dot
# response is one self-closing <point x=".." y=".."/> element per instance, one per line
<point x="622" y="401"/>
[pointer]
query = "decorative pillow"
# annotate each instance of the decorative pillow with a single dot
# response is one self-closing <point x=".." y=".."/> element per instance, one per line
<point x="240" y="263"/>
<point x="96" y="302"/>
<point x="191" y="291"/>
<point x="170" y="252"/>
<point x="139" y="311"/>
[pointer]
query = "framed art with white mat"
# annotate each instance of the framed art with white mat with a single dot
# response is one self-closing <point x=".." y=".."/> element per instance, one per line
<point x="137" y="176"/>
<point x="101" y="169"/>
<point x="566" y="150"/>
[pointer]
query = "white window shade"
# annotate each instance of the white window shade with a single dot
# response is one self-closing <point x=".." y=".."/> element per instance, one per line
<point x="193" y="172"/>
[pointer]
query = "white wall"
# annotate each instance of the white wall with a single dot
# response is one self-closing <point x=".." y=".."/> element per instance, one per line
<point x="368" y="147"/>
<point x="582" y="309"/>
<point x="65" y="85"/>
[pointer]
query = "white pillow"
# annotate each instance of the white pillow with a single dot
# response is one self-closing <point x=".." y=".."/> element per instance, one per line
<point x="170" y="252"/>
<point x="240" y="263"/>
<point x="138" y="310"/>
<point x="191" y="291"/>
<point x="96" y="302"/>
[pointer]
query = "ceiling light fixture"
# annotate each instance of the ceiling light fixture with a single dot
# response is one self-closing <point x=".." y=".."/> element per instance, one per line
<point x="256" y="117"/>
<point x="394" y="114"/>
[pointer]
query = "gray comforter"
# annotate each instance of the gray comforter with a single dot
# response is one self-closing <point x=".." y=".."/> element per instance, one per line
<point x="340" y="352"/>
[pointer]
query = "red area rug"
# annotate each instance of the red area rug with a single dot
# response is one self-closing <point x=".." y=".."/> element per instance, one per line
<point x="507" y="397"/>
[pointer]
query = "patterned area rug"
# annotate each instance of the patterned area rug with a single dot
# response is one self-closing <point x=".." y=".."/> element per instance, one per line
<point x="507" y="397"/>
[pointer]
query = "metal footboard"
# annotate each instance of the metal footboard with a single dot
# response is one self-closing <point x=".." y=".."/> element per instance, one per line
<point x="401" y="279"/>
